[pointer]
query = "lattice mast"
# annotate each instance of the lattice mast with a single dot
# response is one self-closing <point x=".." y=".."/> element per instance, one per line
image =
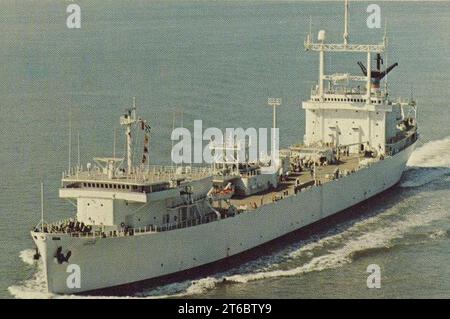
<point x="323" y="47"/>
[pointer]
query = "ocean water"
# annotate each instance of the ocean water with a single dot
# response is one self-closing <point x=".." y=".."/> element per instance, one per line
<point x="219" y="61"/>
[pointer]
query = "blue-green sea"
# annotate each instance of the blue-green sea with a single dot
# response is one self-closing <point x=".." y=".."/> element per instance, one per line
<point x="219" y="61"/>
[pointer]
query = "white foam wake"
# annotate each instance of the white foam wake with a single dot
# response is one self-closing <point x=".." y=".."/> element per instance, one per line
<point x="428" y="163"/>
<point x="27" y="256"/>
<point x="379" y="238"/>
<point x="359" y="237"/>
<point x="34" y="287"/>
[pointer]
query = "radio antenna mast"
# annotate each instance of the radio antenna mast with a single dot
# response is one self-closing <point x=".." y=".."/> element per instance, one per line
<point x="346" y="22"/>
<point x="78" y="144"/>
<point x="70" y="139"/>
<point x="42" y="206"/>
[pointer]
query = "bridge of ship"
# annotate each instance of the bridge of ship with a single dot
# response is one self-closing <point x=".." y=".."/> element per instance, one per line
<point x="150" y="179"/>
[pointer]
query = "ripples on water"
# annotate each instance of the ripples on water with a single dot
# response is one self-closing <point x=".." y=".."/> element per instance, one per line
<point x="217" y="61"/>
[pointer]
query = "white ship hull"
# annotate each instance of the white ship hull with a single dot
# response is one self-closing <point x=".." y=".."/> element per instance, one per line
<point x="113" y="261"/>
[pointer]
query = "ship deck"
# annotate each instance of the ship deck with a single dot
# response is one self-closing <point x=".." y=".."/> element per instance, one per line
<point x="285" y="188"/>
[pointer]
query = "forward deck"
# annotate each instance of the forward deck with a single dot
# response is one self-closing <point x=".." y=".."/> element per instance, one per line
<point x="307" y="178"/>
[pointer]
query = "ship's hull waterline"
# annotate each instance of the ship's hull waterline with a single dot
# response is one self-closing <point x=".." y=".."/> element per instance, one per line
<point x="115" y="261"/>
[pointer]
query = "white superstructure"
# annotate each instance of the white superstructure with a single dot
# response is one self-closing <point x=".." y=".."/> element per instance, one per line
<point x="135" y="223"/>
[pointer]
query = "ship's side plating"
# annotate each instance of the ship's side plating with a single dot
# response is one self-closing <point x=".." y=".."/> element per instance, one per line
<point x="106" y="262"/>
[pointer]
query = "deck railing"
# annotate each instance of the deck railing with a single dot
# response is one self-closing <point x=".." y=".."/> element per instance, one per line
<point x="103" y="232"/>
<point x="137" y="175"/>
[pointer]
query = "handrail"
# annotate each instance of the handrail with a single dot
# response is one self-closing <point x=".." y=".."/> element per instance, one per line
<point x="153" y="173"/>
<point x="98" y="232"/>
